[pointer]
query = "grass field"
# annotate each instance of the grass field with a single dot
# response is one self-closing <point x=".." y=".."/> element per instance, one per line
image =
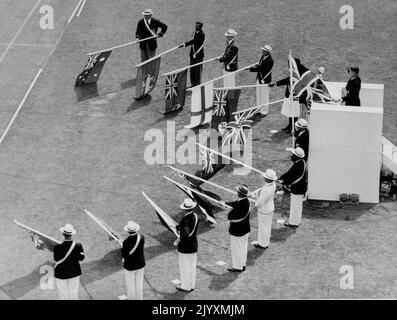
<point x="72" y="149"/>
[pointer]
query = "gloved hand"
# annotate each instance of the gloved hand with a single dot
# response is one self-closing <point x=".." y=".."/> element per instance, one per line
<point x="181" y="45"/>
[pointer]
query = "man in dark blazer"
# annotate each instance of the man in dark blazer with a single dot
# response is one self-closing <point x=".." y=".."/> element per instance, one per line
<point x="187" y="246"/>
<point x="134" y="261"/>
<point x="196" y="53"/>
<point x="302" y="136"/>
<point x="230" y="58"/>
<point x="67" y="266"/>
<point x="302" y="98"/>
<point x="295" y="180"/>
<point x="146" y="28"/>
<point x="353" y="87"/>
<point x="239" y="229"/>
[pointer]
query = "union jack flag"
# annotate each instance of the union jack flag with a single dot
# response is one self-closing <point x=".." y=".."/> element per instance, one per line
<point x="319" y="92"/>
<point x="219" y="103"/>
<point x="300" y="83"/>
<point x="236" y="129"/>
<point x="207" y="157"/>
<point x="171" y="85"/>
<point x="93" y="68"/>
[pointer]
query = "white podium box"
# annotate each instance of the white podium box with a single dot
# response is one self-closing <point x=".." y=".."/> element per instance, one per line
<point x="345" y="152"/>
<point x="371" y="94"/>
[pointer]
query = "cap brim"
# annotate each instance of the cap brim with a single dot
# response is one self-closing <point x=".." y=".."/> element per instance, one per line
<point x="67" y="233"/>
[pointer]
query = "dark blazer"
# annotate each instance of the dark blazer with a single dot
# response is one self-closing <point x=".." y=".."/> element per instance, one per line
<point x="188" y="233"/>
<point x="302" y="141"/>
<point x="231" y="51"/>
<point x="196" y="43"/>
<point x="264" y="68"/>
<point x="70" y="268"/>
<point x="353" y="92"/>
<point x="142" y="32"/>
<point x="294" y="173"/>
<point x="240" y="210"/>
<point x="136" y="260"/>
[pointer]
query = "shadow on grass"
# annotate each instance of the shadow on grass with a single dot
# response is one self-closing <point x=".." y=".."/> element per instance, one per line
<point x="136" y="104"/>
<point x="220" y="281"/>
<point x="167" y="116"/>
<point x="86" y="92"/>
<point x="282" y="234"/>
<point x="128" y="84"/>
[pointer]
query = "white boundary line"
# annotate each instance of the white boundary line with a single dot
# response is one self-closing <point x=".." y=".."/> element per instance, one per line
<point x="25" y="44"/>
<point x="74" y="11"/>
<point x="81" y="8"/>
<point x="19" y="31"/>
<point x="20" y="106"/>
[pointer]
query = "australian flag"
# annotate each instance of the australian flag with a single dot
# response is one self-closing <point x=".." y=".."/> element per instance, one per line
<point x="93" y="68"/>
<point x="175" y="91"/>
<point x="225" y="103"/>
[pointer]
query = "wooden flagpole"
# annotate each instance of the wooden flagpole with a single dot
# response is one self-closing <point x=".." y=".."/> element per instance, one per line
<point x="229" y="158"/>
<point x="225" y="75"/>
<point x="190" y="66"/>
<point x="155" y="57"/>
<point x="206" y="181"/>
<point x="199" y="193"/>
<point x="106" y="230"/>
<point x="261" y="105"/>
<point x="35" y="231"/>
<point x="120" y="46"/>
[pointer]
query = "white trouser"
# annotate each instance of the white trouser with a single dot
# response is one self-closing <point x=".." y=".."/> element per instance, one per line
<point x="68" y="289"/>
<point x="230" y="80"/>
<point x="187" y="267"/>
<point x="295" y="211"/>
<point x="262" y="96"/>
<point x="134" y="280"/>
<point x="264" y="228"/>
<point x="239" y="248"/>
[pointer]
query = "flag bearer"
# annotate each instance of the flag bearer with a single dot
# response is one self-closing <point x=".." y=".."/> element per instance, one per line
<point x="230" y="58"/>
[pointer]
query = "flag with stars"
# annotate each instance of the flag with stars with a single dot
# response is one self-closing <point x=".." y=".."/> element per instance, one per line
<point x="39" y="239"/>
<point x="93" y="68"/>
<point x="175" y="91"/>
<point x="146" y="77"/>
<point x="225" y="103"/>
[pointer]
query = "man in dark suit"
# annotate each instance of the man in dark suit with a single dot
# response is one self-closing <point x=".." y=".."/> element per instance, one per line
<point x="295" y="180"/>
<point x="196" y="53"/>
<point x="188" y="246"/>
<point x="353" y="87"/>
<point x="134" y="261"/>
<point x="239" y="229"/>
<point x="302" y="98"/>
<point x="230" y="58"/>
<point x="146" y="28"/>
<point x="263" y="76"/>
<point x="67" y="267"/>
<point x="302" y="136"/>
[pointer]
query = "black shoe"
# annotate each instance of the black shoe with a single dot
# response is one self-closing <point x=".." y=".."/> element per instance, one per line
<point x="183" y="290"/>
<point x="235" y="270"/>
<point x="291" y="225"/>
<point x="257" y="245"/>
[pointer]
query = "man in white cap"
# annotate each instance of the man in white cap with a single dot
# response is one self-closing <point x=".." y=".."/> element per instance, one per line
<point x="146" y="28"/>
<point x="230" y="58"/>
<point x="295" y="180"/>
<point x="188" y="246"/>
<point x="67" y="266"/>
<point x="239" y="229"/>
<point x="134" y="261"/>
<point x="264" y="76"/>
<point x="302" y="136"/>
<point x="265" y="204"/>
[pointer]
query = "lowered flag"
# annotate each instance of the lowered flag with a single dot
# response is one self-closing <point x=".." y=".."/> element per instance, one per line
<point x="112" y="235"/>
<point x="40" y="240"/>
<point x="175" y="91"/>
<point x="201" y="105"/>
<point x="307" y="79"/>
<point x="319" y="92"/>
<point x="146" y="77"/>
<point x="225" y="103"/>
<point x="165" y="219"/>
<point x="93" y="68"/>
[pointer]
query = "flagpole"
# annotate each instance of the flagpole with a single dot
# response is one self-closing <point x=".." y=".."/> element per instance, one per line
<point x="206" y="181"/>
<point x="199" y="193"/>
<point x="190" y="66"/>
<point x="291" y="95"/>
<point x="157" y="208"/>
<point x="258" y="106"/>
<point x="241" y="87"/>
<point x="225" y="75"/>
<point x="95" y="219"/>
<point x="120" y="46"/>
<point x="155" y="57"/>
<point x="35" y="231"/>
<point x="229" y="158"/>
